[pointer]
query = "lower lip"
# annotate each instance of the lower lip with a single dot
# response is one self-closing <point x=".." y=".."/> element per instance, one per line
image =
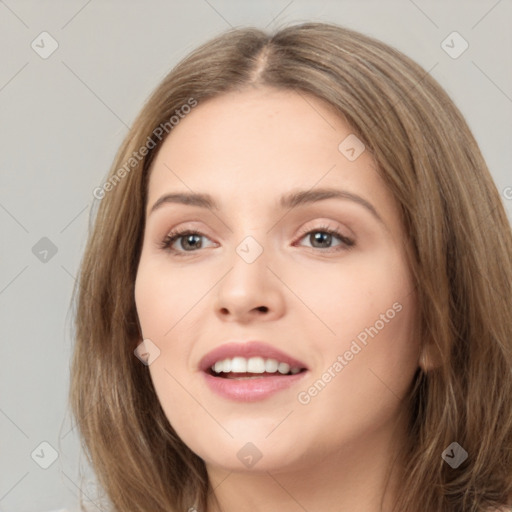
<point x="253" y="389"/>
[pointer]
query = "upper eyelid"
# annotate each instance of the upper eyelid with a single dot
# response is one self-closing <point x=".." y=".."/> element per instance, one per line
<point x="180" y="232"/>
<point x="303" y="231"/>
<point x="325" y="222"/>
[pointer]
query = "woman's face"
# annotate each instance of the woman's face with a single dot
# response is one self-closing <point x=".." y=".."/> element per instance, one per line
<point x="298" y="263"/>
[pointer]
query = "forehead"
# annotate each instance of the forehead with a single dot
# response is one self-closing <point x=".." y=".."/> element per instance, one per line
<point x="257" y="121"/>
<point x="261" y="143"/>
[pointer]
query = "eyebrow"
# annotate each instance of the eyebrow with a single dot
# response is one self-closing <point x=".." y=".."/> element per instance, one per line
<point x="287" y="201"/>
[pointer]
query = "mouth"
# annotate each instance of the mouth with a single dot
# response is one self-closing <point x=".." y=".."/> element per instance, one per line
<point x="252" y="368"/>
<point x="250" y="371"/>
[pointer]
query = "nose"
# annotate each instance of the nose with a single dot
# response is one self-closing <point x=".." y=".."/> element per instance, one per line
<point x="250" y="291"/>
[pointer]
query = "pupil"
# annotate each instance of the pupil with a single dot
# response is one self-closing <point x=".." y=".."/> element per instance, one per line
<point x="321" y="238"/>
<point x="189" y="241"/>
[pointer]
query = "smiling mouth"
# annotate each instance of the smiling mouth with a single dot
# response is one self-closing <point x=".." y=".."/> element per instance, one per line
<point x="251" y="371"/>
<point x="240" y="368"/>
<point x="247" y="375"/>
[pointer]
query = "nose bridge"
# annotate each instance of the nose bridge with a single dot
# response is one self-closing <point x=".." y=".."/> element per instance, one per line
<point x="249" y="273"/>
<point x="248" y="286"/>
<point x="250" y="234"/>
<point x="250" y="249"/>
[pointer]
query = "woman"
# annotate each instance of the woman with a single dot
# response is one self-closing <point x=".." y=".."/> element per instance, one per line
<point x="296" y="295"/>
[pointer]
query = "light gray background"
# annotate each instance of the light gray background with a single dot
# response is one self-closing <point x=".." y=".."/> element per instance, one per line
<point x="62" y="120"/>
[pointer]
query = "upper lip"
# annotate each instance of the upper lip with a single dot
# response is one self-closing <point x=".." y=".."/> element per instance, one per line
<point x="247" y="349"/>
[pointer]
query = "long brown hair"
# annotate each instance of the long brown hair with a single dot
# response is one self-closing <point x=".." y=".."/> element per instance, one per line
<point x="460" y="256"/>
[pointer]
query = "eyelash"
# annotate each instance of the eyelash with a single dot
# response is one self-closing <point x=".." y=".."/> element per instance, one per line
<point x="170" y="238"/>
<point x="346" y="243"/>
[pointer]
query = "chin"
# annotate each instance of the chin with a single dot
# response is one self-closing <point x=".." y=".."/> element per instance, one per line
<point x="252" y="460"/>
<point x="250" y="451"/>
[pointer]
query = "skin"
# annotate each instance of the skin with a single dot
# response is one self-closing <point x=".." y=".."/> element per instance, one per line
<point x="247" y="149"/>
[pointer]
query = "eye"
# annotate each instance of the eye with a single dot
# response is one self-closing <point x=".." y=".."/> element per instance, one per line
<point x="324" y="237"/>
<point x="182" y="241"/>
<point x="188" y="240"/>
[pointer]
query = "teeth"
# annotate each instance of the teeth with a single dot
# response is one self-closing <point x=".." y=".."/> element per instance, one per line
<point x="283" y="368"/>
<point x="271" y="365"/>
<point x="239" y="365"/>
<point x="256" y="365"/>
<point x="253" y="365"/>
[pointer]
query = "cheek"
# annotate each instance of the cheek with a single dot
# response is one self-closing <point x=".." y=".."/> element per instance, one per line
<point x="370" y="350"/>
<point x="348" y="298"/>
<point x="169" y="310"/>
<point x="375" y="353"/>
<point x="163" y="319"/>
<point x="152" y="301"/>
<point x="163" y="299"/>
<point x="364" y="376"/>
